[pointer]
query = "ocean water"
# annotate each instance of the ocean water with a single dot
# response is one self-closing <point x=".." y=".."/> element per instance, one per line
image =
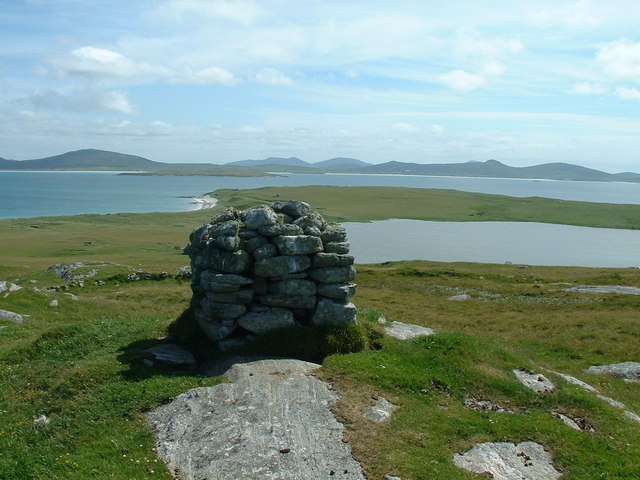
<point x="34" y="194"/>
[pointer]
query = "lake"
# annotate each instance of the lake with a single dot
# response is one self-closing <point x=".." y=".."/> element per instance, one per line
<point x="526" y="243"/>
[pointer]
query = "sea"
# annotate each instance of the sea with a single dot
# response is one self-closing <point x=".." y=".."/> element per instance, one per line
<point x="36" y="194"/>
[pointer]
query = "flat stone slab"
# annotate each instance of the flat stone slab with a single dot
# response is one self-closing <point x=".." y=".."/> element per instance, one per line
<point x="508" y="461"/>
<point x="171" y="354"/>
<point x="575" y="381"/>
<point x="405" y="331"/>
<point x="626" y="370"/>
<point x="620" y="289"/>
<point x="535" y="381"/>
<point x="271" y="422"/>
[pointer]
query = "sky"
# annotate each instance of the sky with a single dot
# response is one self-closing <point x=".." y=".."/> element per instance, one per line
<point x="522" y="82"/>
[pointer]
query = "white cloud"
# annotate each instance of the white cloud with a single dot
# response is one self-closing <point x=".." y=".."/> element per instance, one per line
<point x="406" y="127"/>
<point x="494" y="69"/>
<point x="586" y="88"/>
<point x="114" y="101"/>
<point x="205" y="76"/>
<point x="628" y="93"/>
<point x="469" y="41"/>
<point x="100" y="63"/>
<point x="462" y="80"/>
<point x="437" y="129"/>
<point x="621" y="59"/>
<point x="580" y="13"/>
<point x="272" y="77"/>
<point x="240" y="11"/>
<point x="83" y="101"/>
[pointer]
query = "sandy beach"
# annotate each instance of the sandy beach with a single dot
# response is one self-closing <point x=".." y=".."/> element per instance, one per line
<point x="203" y="201"/>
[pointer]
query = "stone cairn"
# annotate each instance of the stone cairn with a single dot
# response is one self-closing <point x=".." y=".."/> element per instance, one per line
<point x="269" y="267"/>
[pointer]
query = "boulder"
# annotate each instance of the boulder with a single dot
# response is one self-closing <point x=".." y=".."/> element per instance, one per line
<point x="337" y="247"/>
<point x="222" y="311"/>
<point x="259" y="216"/>
<point x="332" y="313"/>
<point x="278" y="230"/>
<point x="223" y="261"/>
<point x="221" y="282"/>
<point x="268" y="250"/>
<point x="321" y="260"/>
<point x="292" y="208"/>
<point x="11" y="316"/>
<point x="282" y="265"/>
<point x="333" y="274"/>
<point x="334" y="234"/>
<point x="293" y="287"/>
<point x="298" y="245"/>
<point x="625" y="370"/>
<point x="289" y="301"/>
<point x="337" y="291"/>
<point x="263" y="322"/>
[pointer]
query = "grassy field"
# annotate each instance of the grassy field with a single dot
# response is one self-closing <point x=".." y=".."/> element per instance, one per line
<point x="363" y="204"/>
<point x="80" y="363"/>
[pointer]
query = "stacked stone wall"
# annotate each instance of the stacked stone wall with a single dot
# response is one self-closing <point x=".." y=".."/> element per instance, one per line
<point x="268" y="267"/>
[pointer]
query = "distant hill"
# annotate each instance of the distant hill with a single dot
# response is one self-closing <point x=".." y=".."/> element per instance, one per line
<point x="285" y="162"/>
<point x="493" y="168"/>
<point x="99" y="160"/>
<point x="339" y="163"/>
<point x="89" y="159"/>
<point x="92" y="159"/>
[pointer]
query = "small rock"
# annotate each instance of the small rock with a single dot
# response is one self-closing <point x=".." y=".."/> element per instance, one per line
<point x="172" y="354"/>
<point x="53" y="303"/>
<point x="41" y="421"/>
<point x="392" y="477"/>
<point x="380" y="412"/>
<point x="3" y="286"/>
<point x="459" y="298"/>
<point x="577" y="423"/>
<point x="11" y="316"/>
<point x="405" y="331"/>
<point x="14" y="288"/>
<point x="534" y="381"/>
<point x="72" y="296"/>
<point x="473" y="403"/>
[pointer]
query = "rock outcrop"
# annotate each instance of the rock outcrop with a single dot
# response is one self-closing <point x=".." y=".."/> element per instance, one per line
<point x="271" y="421"/>
<point x="268" y="267"/>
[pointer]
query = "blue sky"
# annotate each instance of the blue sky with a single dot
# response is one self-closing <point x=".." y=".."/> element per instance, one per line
<point x="523" y="82"/>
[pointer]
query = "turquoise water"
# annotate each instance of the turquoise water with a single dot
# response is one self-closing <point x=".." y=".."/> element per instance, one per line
<point x="33" y="194"/>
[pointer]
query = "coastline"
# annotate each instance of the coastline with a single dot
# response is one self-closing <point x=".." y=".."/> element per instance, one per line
<point x="202" y="202"/>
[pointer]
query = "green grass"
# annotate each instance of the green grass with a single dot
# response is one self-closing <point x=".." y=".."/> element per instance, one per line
<point x="80" y="363"/>
<point x="362" y="204"/>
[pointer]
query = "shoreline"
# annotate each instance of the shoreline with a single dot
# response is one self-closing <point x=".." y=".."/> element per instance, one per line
<point x="202" y="202"/>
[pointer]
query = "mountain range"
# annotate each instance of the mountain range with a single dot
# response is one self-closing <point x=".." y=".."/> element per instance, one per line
<point x="92" y="159"/>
